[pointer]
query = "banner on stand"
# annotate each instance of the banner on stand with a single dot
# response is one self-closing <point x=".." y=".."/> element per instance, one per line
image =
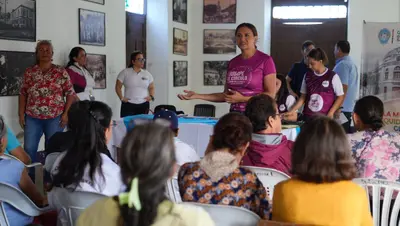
<point x="380" y="70"/>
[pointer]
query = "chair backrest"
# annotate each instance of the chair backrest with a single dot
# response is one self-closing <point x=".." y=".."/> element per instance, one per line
<point x="206" y="110"/>
<point x="165" y="107"/>
<point x="73" y="203"/>
<point x="268" y="177"/>
<point x="172" y="190"/>
<point x="229" y="215"/>
<point x="16" y="198"/>
<point x="375" y="188"/>
<point x="50" y="159"/>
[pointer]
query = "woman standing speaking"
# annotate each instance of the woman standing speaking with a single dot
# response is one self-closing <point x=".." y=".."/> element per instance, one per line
<point x="249" y="74"/>
<point x="139" y="87"/>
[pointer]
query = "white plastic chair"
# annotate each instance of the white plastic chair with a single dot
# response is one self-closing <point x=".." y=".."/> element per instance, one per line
<point x="374" y="189"/>
<point x="70" y="204"/>
<point x="172" y="190"/>
<point x="229" y="215"/>
<point x="38" y="171"/>
<point x="268" y="177"/>
<point x="50" y="159"/>
<point x="16" y="198"/>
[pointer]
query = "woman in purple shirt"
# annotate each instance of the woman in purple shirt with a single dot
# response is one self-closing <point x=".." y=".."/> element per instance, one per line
<point x="249" y="74"/>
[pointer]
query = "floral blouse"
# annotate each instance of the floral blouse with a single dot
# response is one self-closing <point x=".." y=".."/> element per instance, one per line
<point x="45" y="92"/>
<point x="377" y="154"/>
<point x="239" y="188"/>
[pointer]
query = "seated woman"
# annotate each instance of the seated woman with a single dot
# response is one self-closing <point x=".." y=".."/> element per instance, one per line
<point x="321" y="191"/>
<point x="147" y="161"/>
<point x="217" y="178"/>
<point x="14" y="148"/>
<point x="284" y="99"/>
<point x="375" y="150"/>
<point x="86" y="165"/>
<point x="14" y="173"/>
<point x="268" y="147"/>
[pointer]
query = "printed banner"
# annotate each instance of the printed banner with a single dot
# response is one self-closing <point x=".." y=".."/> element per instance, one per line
<point x="380" y="70"/>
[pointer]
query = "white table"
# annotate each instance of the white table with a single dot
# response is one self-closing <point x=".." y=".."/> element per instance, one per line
<point x="195" y="134"/>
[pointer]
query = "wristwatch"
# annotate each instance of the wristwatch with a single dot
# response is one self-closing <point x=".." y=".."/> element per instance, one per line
<point x="152" y="98"/>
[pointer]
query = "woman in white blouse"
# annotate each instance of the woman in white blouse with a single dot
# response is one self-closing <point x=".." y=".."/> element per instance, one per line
<point x="81" y="78"/>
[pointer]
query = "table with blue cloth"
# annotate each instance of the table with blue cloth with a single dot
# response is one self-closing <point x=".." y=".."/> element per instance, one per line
<point x="195" y="131"/>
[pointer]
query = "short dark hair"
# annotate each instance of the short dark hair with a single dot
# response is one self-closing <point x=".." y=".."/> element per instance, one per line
<point x="249" y="26"/>
<point x="306" y="44"/>
<point x="133" y="57"/>
<point x="232" y="131"/>
<point x="258" y="109"/>
<point x="344" y="46"/>
<point x="319" y="54"/>
<point x="322" y="153"/>
<point x="370" y="110"/>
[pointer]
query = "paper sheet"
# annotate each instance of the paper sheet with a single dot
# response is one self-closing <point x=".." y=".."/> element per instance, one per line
<point x="342" y="118"/>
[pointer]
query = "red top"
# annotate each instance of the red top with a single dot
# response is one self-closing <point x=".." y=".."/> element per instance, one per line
<point x="45" y="92"/>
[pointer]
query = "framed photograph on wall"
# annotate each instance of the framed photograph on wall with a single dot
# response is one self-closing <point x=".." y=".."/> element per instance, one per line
<point x="12" y="68"/>
<point x="179" y="11"/>
<point x="219" y="11"/>
<point x="101" y="2"/>
<point x="180" y="45"/>
<point x="215" y="73"/>
<point x="180" y="73"/>
<point x="18" y="20"/>
<point x="96" y="65"/>
<point x="92" y="27"/>
<point x="219" y="41"/>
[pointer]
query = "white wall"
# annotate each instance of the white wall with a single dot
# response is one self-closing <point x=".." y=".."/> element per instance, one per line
<point x="57" y="20"/>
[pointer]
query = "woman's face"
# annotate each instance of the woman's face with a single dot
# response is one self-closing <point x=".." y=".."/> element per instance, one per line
<point x="315" y="65"/>
<point x="278" y="85"/>
<point x="139" y="61"/>
<point x="245" y="38"/>
<point x="45" y="53"/>
<point x="81" y="58"/>
<point x="108" y="133"/>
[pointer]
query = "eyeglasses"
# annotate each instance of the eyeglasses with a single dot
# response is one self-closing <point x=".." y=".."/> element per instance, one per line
<point x="142" y="60"/>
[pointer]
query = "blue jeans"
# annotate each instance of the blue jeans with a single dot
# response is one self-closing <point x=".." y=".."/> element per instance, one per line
<point x="34" y="129"/>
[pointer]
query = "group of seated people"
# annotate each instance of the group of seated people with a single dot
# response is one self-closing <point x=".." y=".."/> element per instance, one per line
<point x="322" y="162"/>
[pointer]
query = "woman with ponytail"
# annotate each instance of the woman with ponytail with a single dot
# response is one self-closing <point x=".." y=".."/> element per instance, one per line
<point x="375" y="150"/>
<point x="147" y="161"/>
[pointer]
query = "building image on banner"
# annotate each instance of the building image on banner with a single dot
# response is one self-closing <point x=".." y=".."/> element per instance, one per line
<point x="380" y="72"/>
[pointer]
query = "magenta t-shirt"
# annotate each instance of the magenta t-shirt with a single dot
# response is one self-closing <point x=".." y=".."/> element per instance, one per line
<point x="246" y="76"/>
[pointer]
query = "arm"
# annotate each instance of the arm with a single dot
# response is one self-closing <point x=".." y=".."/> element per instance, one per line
<point x="151" y="89"/>
<point x="298" y="104"/>
<point x="21" y="105"/>
<point x="29" y="188"/>
<point x="118" y="89"/>
<point x="20" y="154"/>
<point x="336" y="105"/>
<point x="338" y="89"/>
<point x="288" y="81"/>
<point x="342" y="71"/>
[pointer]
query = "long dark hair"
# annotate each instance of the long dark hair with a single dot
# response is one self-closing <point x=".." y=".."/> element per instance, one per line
<point x="133" y="57"/>
<point x="148" y="154"/>
<point x="94" y="118"/>
<point x="370" y="111"/>
<point x="283" y="91"/>
<point x="74" y="53"/>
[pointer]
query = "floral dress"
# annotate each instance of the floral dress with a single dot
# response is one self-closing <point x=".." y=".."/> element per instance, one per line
<point x="377" y="154"/>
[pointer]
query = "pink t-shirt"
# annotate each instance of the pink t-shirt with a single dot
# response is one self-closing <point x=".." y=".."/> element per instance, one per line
<point x="246" y="76"/>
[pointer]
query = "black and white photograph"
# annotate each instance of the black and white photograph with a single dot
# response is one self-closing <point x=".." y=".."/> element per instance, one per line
<point x="92" y="28"/>
<point x="101" y="2"/>
<point x="96" y="65"/>
<point x="215" y="73"/>
<point x="219" y="41"/>
<point x="12" y="69"/>
<point x="18" y="20"/>
<point x="179" y="13"/>
<point x="219" y="11"/>
<point x="180" y="73"/>
<point x="180" y="45"/>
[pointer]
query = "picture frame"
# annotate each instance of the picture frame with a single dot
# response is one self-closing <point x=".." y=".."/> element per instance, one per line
<point x="219" y="11"/>
<point x="100" y="2"/>
<point x="12" y="68"/>
<point x="214" y="73"/>
<point x="96" y="64"/>
<point x="92" y="27"/>
<point x="180" y="73"/>
<point x="180" y="42"/>
<point x="179" y="11"/>
<point x="219" y="41"/>
<point x="18" y="20"/>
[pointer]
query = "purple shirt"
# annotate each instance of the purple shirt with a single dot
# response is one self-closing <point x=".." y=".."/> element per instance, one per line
<point x="246" y="76"/>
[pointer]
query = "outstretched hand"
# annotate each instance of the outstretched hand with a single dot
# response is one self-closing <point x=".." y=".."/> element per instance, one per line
<point x="189" y="95"/>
